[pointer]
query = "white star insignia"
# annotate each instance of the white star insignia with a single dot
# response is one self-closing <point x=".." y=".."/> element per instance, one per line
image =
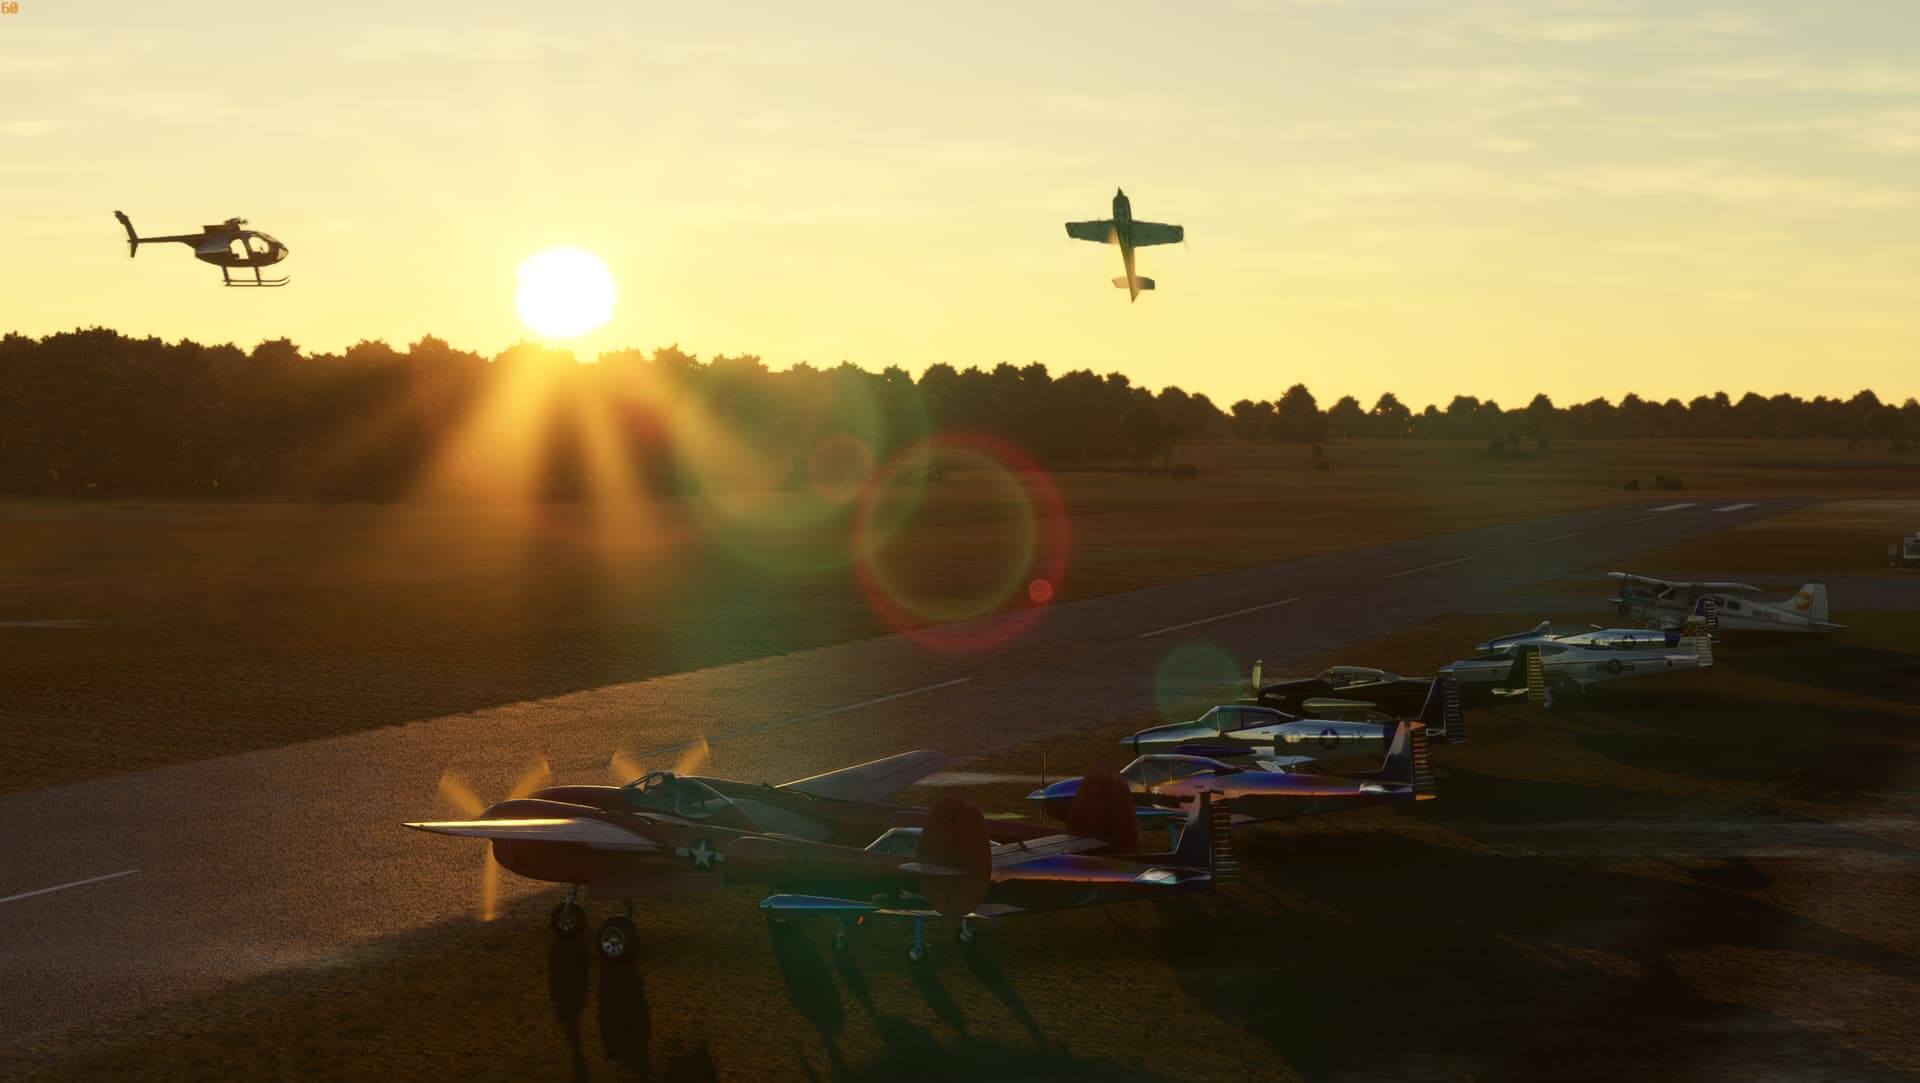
<point x="701" y="855"/>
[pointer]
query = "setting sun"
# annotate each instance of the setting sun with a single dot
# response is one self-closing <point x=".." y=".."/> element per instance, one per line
<point x="564" y="292"/>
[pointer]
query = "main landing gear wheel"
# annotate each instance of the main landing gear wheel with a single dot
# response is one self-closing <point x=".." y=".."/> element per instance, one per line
<point x="568" y="919"/>
<point x="917" y="954"/>
<point x="967" y="935"/>
<point x="619" y="938"/>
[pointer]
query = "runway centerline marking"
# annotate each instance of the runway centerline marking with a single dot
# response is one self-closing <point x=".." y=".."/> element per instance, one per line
<point x="1430" y="567"/>
<point x="768" y="727"/>
<point x="63" y="887"/>
<point x="1676" y="507"/>
<point x="1555" y="538"/>
<point x="1210" y="620"/>
<point x="1735" y="507"/>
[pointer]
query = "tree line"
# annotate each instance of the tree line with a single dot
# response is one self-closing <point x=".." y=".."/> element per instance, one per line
<point x="94" y="412"/>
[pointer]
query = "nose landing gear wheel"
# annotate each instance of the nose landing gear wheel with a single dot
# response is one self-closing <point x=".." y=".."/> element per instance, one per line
<point x="619" y="938"/>
<point x="568" y="919"/>
<point x="917" y="954"/>
<point x="967" y="935"/>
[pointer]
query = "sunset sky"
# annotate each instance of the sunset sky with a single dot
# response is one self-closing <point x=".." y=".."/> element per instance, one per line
<point x="1584" y="198"/>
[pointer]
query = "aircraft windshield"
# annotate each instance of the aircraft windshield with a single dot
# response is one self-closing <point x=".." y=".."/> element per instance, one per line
<point x="685" y="798"/>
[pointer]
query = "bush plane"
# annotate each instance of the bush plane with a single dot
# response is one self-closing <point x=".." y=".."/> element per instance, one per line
<point x="1129" y="234"/>
<point x="1267" y="788"/>
<point x="949" y="868"/>
<point x="1665" y="603"/>
<point x="1263" y="731"/>
<point x="226" y="245"/>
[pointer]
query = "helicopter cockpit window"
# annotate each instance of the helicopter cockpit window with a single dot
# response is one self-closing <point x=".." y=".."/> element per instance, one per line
<point x="258" y="245"/>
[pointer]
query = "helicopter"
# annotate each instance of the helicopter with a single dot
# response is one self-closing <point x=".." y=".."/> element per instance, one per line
<point x="227" y="245"/>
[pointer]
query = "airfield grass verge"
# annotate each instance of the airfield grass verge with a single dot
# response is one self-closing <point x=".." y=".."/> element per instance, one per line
<point x="134" y="635"/>
<point x="1706" y="874"/>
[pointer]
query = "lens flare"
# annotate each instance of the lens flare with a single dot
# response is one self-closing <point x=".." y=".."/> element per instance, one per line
<point x="1192" y="677"/>
<point x="962" y="542"/>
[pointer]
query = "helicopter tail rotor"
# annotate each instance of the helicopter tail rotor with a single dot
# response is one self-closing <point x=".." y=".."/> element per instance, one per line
<point x="133" y="239"/>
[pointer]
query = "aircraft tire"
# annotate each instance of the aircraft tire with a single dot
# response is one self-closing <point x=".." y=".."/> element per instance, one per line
<point x="568" y="919"/>
<point x="618" y="939"/>
<point x="916" y="955"/>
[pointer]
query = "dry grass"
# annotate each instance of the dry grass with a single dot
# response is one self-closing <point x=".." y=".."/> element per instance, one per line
<point x="136" y="635"/>
<point x="1706" y="875"/>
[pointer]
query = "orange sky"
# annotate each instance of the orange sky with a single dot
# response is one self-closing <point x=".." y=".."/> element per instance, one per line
<point x="1584" y="198"/>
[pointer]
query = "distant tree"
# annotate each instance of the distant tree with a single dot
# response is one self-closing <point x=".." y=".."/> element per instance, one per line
<point x="1390" y="417"/>
<point x="1297" y="417"/>
<point x="1252" y="420"/>
<point x="1346" y="418"/>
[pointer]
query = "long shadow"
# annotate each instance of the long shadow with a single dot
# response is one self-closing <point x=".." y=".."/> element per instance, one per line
<point x="944" y="1006"/>
<point x="994" y="981"/>
<point x="567" y="987"/>
<point x="1501" y="964"/>
<point x="810" y="988"/>
<point x="626" y="1022"/>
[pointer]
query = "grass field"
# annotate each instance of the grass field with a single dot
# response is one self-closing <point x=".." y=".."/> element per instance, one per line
<point x="135" y="635"/>
<point x="1708" y="875"/>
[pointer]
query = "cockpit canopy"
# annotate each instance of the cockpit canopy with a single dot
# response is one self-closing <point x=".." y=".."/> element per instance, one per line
<point x="1227" y="719"/>
<point x="1161" y="768"/>
<point x="1341" y="676"/>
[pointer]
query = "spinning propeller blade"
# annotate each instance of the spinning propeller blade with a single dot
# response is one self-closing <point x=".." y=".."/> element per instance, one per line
<point x="457" y="792"/>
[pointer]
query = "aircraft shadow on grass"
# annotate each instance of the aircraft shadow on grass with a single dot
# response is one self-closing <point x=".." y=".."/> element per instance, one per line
<point x="1412" y="959"/>
<point x="911" y="1051"/>
<point x="625" y="1018"/>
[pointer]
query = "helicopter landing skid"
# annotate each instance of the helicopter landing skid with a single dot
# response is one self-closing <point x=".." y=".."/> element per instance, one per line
<point x="228" y="280"/>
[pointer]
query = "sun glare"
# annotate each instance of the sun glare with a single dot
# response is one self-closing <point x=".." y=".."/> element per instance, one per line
<point x="564" y="292"/>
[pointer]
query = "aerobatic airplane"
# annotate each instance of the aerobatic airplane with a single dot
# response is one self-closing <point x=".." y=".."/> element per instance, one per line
<point x="950" y="869"/>
<point x="1129" y="234"/>
<point x="1664" y="602"/>
<point x="1237" y="730"/>
<point x="1269" y="789"/>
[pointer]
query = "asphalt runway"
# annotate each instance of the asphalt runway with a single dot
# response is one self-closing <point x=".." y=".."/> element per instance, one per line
<point x="123" y="892"/>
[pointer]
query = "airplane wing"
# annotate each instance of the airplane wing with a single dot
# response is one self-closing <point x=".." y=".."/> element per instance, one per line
<point x="1099" y="232"/>
<point x="874" y="781"/>
<point x="1697" y="588"/>
<point x="1146" y="233"/>
<point x="581" y="831"/>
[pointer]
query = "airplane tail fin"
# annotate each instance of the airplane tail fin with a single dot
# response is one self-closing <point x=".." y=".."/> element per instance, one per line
<point x="1811" y="601"/>
<point x="1139" y="282"/>
<point x="1536" y="676"/>
<point x="133" y="239"/>
<point x="1441" y="714"/>
<point x="1408" y="760"/>
<point x="1207" y="841"/>
<point x="1103" y="808"/>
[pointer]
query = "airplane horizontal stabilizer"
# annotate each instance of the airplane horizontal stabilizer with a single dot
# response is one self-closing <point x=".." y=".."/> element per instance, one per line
<point x="1138" y="281"/>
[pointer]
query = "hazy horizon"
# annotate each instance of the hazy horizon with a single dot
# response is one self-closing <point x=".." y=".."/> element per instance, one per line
<point x="1584" y="198"/>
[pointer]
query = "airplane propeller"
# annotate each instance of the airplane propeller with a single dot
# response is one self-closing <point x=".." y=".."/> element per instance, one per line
<point x="694" y="757"/>
<point x="457" y="792"/>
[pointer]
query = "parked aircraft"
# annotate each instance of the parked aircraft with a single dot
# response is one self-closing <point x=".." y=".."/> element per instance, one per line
<point x="1342" y="687"/>
<point x="1269" y="789"/>
<point x="1129" y="234"/>
<point x="1538" y="663"/>
<point x="949" y="869"/>
<point x="226" y="245"/>
<point x="1665" y="602"/>
<point x="1236" y="730"/>
<point x="668" y="834"/>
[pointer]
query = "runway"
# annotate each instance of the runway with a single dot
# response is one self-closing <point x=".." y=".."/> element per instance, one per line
<point x="127" y="891"/>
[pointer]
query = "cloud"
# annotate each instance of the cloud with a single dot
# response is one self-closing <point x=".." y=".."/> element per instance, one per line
<point x="1797" y="76"/>
<point x="1504" y="144"/>
<point x="30" y="128"/>
<point x="1720" y="183"/>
